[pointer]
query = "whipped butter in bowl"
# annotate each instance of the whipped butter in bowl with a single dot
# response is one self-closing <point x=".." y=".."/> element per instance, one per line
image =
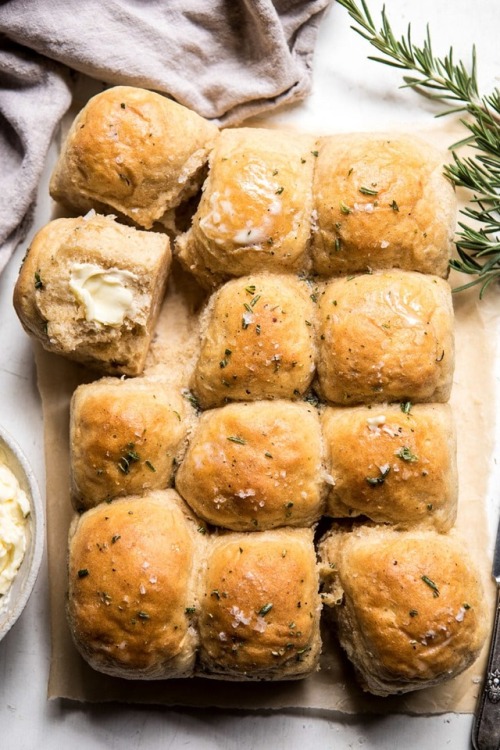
<point x="14" y="512"/>
<point x="21" y="531"/>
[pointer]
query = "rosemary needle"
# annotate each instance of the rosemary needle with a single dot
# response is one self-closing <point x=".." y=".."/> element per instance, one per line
<point x="443" y="79"/>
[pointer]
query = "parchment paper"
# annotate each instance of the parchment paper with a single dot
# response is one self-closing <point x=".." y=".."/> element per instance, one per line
<point x="334" y="686"/>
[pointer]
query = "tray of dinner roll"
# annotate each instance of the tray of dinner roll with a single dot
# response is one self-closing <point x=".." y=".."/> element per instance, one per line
<point x="258" y="336"/>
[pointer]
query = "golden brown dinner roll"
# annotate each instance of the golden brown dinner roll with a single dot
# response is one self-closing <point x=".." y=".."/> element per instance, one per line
<point x="257" y="341"/>
<point x="259" y="617"/>
<point x="133" y="570"/>
<point x="381" y="201"/>
<point x="386" y="336"/>
<point x="255" y="466"/>
<point x="255" y="213"/>
<point x="409" y="605"/>
<point x="125" y="438"/>
<point x="132" y="151"/>
<point x="90" y="289"/>
<point x="393" y="463"/>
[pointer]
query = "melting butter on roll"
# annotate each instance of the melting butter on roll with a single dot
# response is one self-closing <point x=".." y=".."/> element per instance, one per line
<point x="132" y="151"/>
<point x="254" y="466"/>
<point x="257" y="341"/>
<point x="395" y="463"/>
<point x="386" y="336"/>
<point x="256" y="209"/>
<point x="134" y="568"/>
<point x="381" y="201"/>
<point x="260" y="610"/>
<point x="125" y="438"/>
<point x="408" y="605"/>
<point x="90" y="289"/>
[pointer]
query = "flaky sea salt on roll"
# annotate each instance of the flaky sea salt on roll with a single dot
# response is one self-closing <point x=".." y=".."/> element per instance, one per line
<point x="386" y="336"/>
<point x="408" y="605"/>
<point x="381" y="201"/>
<point x="134" y="152"/>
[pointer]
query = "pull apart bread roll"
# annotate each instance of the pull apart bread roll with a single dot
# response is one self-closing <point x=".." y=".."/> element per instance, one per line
<point x="135" y="152"/>
<point x="260" y="611"/>
<point x="255" y="466"/>
<point x="125" y="438"/>
<point x="394" y="463"/>
<point x="257" y="341"/>
<point x="386" y="336"/>
<point x="133" y="571"/>
<point x="409" y="606"/>
<point x="255" y="213"/>
<point x="381" y="201"/>
<point x="91" y="289"/>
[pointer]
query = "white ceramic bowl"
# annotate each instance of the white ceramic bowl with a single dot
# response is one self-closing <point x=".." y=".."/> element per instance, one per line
<point x="13" y="603"/>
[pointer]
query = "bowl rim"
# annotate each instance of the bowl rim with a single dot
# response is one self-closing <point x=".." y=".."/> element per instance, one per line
<point x="36" y="549"/>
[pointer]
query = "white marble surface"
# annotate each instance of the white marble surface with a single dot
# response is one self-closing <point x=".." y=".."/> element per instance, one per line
<point x="350" y="93"/>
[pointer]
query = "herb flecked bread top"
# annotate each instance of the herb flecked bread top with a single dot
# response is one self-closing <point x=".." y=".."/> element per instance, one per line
<point x="409" y="605"/>
<point x="134" y="152"/>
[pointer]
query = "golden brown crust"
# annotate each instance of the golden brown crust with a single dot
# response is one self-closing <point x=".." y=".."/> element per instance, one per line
<point x="133" y="568"/>
<point x="257" y="341"/>
<point x="382" y="201"/>
<point x="386" y="336"/>
<point x="260" y="611"/>
<point x="412" y="611"/>
<point x="255" y="213"/>
<point x="50" y="311"/>
<point x="132" y="151"/>
<point x="125" y="438"/>
<point x="150" y="590"/>
<point x="255" y="466"/>
<point x="392" y="466"/>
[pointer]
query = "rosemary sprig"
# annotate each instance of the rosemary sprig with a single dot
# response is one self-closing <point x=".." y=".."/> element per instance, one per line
<point x="443" y="79"/>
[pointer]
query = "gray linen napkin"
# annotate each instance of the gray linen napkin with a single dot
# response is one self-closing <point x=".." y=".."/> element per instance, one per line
<point x="226" y="59"/>
<point x="34" y="94"/>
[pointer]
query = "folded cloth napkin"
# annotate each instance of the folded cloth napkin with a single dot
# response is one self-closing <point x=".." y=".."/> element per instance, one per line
<point x="34" y="94"/>
<point x="226" y="59"/>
